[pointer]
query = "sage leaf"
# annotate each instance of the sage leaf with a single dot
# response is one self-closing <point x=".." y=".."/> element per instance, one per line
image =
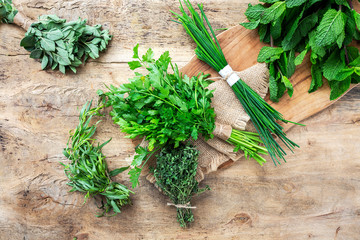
<point x="47" y="44"/>
<point x="54" y="35"/>
<point x="66" y="44"/>
<point x="44" y="62"/>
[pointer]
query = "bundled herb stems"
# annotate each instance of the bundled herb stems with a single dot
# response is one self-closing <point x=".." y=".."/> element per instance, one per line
<point x="249" y="143"/>
<point x="208" y="50"/>
<point x="64" y="45"/>
<point x="168" y="109"/>
<point x="87" y="170"/>
<point x="175" y="175"/>
<point x="55" y="42"/>
<point x="7" y="11"/>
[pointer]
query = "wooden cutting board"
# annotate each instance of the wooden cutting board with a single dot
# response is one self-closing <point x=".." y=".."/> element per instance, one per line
<point x="241" y="48"/>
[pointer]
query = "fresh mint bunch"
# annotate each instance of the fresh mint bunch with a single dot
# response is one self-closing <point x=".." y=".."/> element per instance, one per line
<point x="162" y="105"/>
<point x="325" y="28"/>
<point x="175" y="173"/>
<point x="64" y="45"/>
<point x="7" y="11"/>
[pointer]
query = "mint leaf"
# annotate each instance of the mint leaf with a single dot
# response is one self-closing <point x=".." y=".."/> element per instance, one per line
<point x="276" y="27"/>
<point x="315" y="49"/>
<point x="307" y="24"/>
<point x="334" y="64"/>
<point x="273" y="85"/>
<point x="340" y="39"/>
<point x="272" y="13"/>
<point x="288" y="85"/>
<point x="269" y="54"/>
<point x="353" y="53"/>
<point x="338" y="88"/>
<point x="342" y="2"/>
<point x="250" y="25"/>
<point x="273" y="89"/>
<point x="316" y="78"/>
<point x="330" y="27"/>
<point x="356" y="16"/>
<point x="294" y="3"/>
<point x="288" y="42"/>
<point x="253" y="13"/>
<point x="355" y="62"/>
<point x="344" y="73"/>
<point x="300" y="58"/>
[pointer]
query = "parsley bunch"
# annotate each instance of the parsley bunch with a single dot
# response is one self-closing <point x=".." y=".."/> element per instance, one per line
<point x="64" y="45"/>
<point x="87" y="170"/>
<point x="175" y="174"/>
<point x="164" y="107"/>
<point x="7" y="11"/>
<point x="323" y="27"/>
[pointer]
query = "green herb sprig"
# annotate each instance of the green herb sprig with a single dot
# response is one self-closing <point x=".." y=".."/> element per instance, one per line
<point x="7" y="11"/>
<point x="87" y="170"/>
<point x="323" y="28"/>
<point x="64" y="45"/>
<point x="261" y="113"/>
<point x="166" y="108"/>
<point x="175" y="175"/>
<point x="249" y="143"/>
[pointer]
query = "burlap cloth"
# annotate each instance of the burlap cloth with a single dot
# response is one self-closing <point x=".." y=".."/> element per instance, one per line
<point x="229" y="114"/>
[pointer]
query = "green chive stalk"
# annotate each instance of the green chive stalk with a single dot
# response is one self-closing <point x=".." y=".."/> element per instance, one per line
<point x="261" y="113"/>
<point x="249" y="143"/>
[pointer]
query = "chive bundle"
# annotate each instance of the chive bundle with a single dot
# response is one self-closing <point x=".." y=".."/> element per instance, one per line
<point x="248" y="142"/>
<point x="261" y="113"/>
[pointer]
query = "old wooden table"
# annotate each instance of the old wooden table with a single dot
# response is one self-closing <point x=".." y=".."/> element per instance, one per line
<point x="316" y="195"/>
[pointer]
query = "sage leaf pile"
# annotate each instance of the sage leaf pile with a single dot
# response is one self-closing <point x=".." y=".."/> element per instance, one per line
<point x="175" y="173"/>
<point x="64" y="45"/>
<point x="323" y="28"/>
<point x="87" y="170"/>
<point x="7" y="11"/>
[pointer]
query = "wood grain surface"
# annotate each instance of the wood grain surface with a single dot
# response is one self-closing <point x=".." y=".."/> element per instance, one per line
<point x="315" y="195"/>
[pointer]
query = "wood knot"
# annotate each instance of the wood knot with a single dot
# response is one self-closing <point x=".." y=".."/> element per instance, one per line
<point x="82" y="236"/>
<point x="241" y="219"/>
<point x="356" y="121"/>
<point x="288" y="187"/>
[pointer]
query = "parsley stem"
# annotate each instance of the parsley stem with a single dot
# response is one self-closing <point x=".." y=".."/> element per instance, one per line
<point x="150" y="94"/>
